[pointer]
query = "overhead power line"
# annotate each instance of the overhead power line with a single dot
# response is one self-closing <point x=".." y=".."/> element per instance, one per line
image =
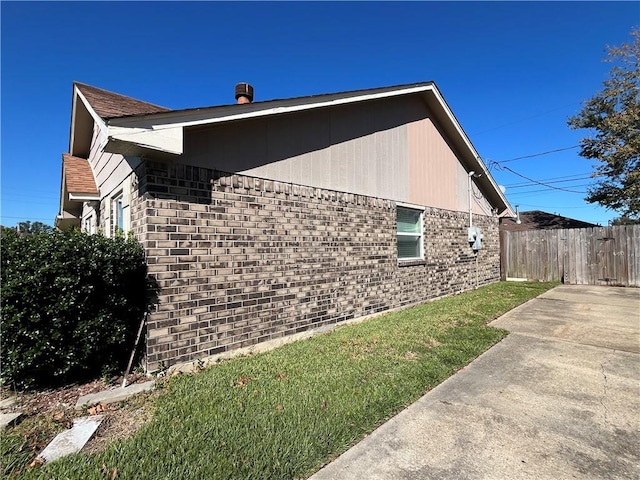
<point x="552" y="207"/>
<point x="541" y="114"/>
<point x="577" y="176"/>
<point x="502" y="167"/>
<point x="546" y="189"/>
<point x="534" y="155"/>
<point x="27" y="217"/>
<point x="530" y="184"/>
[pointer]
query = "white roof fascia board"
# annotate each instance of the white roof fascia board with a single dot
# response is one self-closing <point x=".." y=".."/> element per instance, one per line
<point x="147" y="134"/>
<point x="471" y="148"/>
<point x="168" y="140"/>
<point x="72" y="131"/>
<point x="145" y="131"/>
<point x="96" y="118"/>
<point x="167" y="121"/>
<point x="204" y="116"/>
<point x="83" y="197"/>
<point x="63" y="188"/>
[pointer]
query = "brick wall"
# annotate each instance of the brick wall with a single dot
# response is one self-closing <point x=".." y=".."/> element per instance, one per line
<point x="242" y="260"/>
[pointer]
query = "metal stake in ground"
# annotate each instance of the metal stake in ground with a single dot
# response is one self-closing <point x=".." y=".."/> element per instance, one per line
<point x="135" y="347"/>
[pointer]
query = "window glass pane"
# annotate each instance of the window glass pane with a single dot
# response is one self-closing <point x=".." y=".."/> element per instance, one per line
<point x="119" y="214"/>
<point x="408" y="246"/>
<point x="408" y="220"/>
<point x="409" y="234"/>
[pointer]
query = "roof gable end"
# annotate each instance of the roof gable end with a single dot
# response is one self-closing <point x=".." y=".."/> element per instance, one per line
<point x="112" y="105"/>
<point x="162" y="130"/>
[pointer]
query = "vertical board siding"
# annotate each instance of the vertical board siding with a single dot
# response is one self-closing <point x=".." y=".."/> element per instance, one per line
<point x="360" y="149"/>
<point x="586" y="256"/>
<point x="433" y="178"/>
<point x="389" y="148"/>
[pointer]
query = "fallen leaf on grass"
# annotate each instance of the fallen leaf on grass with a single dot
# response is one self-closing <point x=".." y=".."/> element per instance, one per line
<point x="279" y="407"/>
<point x="37" y="462"/>
<point x="243" y="380"/>
<point x="411" y="355"/>
<point x="432" y="342"/>
<point x="111" y="475"/>
<point x="375" y="340"/>
<point x="324" y="404"/>
<point x="282" y="376"/>
<point x="59" y="415"/>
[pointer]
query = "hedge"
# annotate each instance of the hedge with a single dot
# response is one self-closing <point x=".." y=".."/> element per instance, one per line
<point x="71" y="306"/>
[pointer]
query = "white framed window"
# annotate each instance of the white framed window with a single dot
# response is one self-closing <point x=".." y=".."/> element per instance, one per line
<point x="409" y="232"/>
<point x="117" y="208"/>
<point x="88" y="225"/>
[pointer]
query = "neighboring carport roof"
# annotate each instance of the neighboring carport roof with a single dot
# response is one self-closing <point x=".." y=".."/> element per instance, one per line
<point x="78" y="176"/>
<point x="539" y="220"/>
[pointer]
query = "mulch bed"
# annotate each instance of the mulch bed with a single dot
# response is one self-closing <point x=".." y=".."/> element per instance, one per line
<point x="63" y="398"/>
<point x="48" y="412"/>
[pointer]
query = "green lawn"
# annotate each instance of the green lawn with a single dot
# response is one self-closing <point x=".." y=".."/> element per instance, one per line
<point x="285" y="413"/>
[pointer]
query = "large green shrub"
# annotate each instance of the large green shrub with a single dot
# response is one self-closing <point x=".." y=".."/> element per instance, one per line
<point x="71" y="306"/>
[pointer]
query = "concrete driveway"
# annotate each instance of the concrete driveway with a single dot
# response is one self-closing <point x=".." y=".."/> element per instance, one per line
<point x="558" y="398"/>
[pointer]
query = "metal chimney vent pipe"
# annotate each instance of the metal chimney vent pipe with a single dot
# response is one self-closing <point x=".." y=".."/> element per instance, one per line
<point x="244" y="93"/>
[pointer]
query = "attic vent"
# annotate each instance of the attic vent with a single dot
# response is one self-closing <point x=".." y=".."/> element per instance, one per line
<point x="244" y="93"/>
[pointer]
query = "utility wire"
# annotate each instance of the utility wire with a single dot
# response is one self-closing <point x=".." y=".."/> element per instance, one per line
<point x="527" y="185"/>
<point x="551" y="207"/>
<point x="541" y="114"/>
<point x="502" y="167"/>
<point x="545" y="190"/>
<point x="577" y="176"/>
<point x="534" y="155"/>
<point x="27" y="217"/>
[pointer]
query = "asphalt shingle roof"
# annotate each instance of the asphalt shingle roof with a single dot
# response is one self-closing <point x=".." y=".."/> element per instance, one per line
<point x="112" y="105"/>
<point x="539" y="220"/>
<point x="78" y="175"/>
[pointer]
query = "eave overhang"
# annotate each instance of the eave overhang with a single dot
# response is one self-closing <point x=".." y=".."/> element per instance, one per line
<point x="78" y="186"/>
<point x="164" y="131"/>
<point x="83" y="118"/>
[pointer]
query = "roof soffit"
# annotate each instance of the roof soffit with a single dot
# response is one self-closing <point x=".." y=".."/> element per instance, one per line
<point x="163" y="131"/>
<point x="83" y="118"/>
<point x="92" y="103"/>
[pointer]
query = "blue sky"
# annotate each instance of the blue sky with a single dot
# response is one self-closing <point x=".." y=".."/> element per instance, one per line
<point x="512" y="72"/>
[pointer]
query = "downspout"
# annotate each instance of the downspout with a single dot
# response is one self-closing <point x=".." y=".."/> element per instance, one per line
<point x="471" y="174"/>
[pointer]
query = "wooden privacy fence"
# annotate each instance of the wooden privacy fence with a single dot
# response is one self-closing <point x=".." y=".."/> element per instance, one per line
<point x="580" y="256"/>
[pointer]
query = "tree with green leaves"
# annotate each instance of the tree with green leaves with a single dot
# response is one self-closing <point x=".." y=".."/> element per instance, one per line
<point x="32" y="228"/>
<point x="625" y="221"/>
<point x="613" y="118"/>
